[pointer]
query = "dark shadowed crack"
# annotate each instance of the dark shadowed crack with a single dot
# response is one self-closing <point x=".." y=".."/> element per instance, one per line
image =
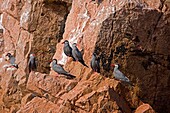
<point x="154" y="28"/>
<point x="50" y="24"/>
<point x="130" y="37"/>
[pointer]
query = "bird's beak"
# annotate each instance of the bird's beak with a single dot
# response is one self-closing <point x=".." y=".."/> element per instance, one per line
<point x="112" y="65"/>
<point x="62" y="43"/>
<point x="50" y="61"/>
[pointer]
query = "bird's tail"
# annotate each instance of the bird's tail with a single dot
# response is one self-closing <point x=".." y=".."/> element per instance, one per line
<point x="96" y="70"/>
<point x="82" y="62"/>
<point x="73" y="58"/>
<point x="15" y="65"/>
<point x="69" y="76"/>
<point x="127" y="81"/>
<point x="130" y="83"/>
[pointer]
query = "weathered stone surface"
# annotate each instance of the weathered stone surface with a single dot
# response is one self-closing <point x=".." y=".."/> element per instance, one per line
<point x="27" y="26"/>
<point x="9" y="21"/>
<point x="12" y="7"/>
<point x="47" y="25"/>
<point x="27" y="98"/>
<point x="39" y="105"/>
<point x="96" y="94"/>
<point x="11" y="93"/>
<point x="134" y="36"/>
<point x="1" y="42"/>
<point x="42" y="83"/>
<point x="148" y="63"/>
<point x="144" y="108"/>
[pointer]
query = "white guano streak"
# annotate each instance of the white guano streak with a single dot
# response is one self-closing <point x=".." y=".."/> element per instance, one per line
<point x="102" y="15"/>
<point x="5" y="4"/>
<point x="25" y="14"/>
<point x="1" y="26"/>
<point x="76" y="33"/>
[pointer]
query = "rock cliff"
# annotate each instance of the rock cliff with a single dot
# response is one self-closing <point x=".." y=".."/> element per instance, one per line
<point x="132" y="33"/>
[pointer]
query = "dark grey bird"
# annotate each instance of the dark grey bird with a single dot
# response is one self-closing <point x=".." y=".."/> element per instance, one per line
<point x="77" y="55"/>
<point x="32" y="64"/>
<point x="119" y="75"/>
<point x="95" y="63"/>
<point x="12" y="60"/>
<point x="60" y="70"/>
<point x="68" y="50"/>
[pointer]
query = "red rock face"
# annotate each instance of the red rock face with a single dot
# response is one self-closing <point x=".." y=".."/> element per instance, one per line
<point x="133" y="33"/>
<point x="41" y="105"/>
<point x="144" y="108"/>
<point x="145" y="65"/>
<point x="130" y="34"/>
<point x="27" y="26"/>
<point x="1" y="41"/>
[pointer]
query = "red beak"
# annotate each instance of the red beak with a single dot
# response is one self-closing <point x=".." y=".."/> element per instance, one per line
<point x="62" y="43"/>
<point x="50" y="61"/>
<point x="112" y="65"/>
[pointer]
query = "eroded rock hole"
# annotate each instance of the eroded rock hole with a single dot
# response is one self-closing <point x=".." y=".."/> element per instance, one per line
<point x="154" y="39"/>
<point x="106" y="62"/>
<point x="136" y="39"/>
<point x="62" y="28"/>
<point x="128" y="35"/>
<point x="12" y="7"/>
<point x="49" y="33"/>
<point x="42" y="14"/>
<point x="120" y="49"/>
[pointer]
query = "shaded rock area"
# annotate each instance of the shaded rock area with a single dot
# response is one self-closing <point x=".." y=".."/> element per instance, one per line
<point x="39" y="27"/>
<point x="144" y="108"/>
<point x="27" y="27"/>
<point x="137" y="45"/>
<point x="1" y="42"/>
<point x="47" y="26"/>
<point x="132" y="33"/>
<point x="95" y="94"/>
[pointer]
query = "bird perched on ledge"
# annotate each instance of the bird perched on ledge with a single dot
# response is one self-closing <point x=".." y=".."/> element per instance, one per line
<point x="77" y="54"/>
<point x="60" y="70"/>
<point x="119" y="75"/>
<point x="32" y="64"/>
<point x="12" y="60"/>
<point x="67" y="49"/>
<point x="95" y="63"/>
